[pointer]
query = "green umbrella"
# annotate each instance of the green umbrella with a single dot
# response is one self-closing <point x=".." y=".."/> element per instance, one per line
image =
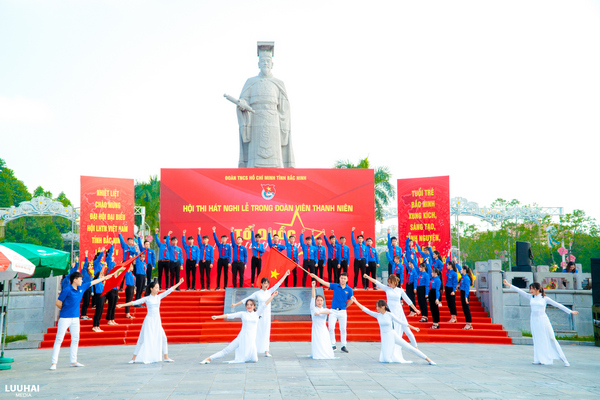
<point x="45" y="259"/>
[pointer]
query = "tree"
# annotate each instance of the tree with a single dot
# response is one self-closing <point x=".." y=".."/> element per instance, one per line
<point x="147" y="194"/>
<point x="384" y="190"/>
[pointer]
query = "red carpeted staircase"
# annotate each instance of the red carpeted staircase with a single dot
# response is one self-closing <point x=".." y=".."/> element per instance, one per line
<point x="186" y="319"/>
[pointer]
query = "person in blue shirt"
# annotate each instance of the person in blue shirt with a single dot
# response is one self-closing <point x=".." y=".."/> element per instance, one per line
<point x="164" y="262"/>
<point x="205" y="259"/>
<point x="435" y="297"/>
<point x="437" y="263"/>
<point x="393" y="250"/>
<point x="450" y="288"/>
<point x="129" y="289"/>
<point x="88" y="273"/>
<point x="224" y="261"/>
<point x="571" y="267"/>
<point x="411" y="274"/>
<point x="332" y="261"/>
<point x="192" y="254"/>
<point x="341" y="300"/>
<point x="397" y="266"/>
<point x="112" y="296"/>
<point x="309" y="253"/>
<point x="292" y="253"/>
<point x="239" y="258"/>
<point x="99" y="300"/>
<point x="410" y="253"/>
<point x="465" y="283"/>
<point x="422" y="290"/>
<point x="143" y="268"/>
<point x="68" y="303"/>
<point x="176" y="261"/>
<point x="321" y="255"/>
<point x="372" y="262"/>
<point x="360" y="258"/>
<point x="258" y="249"/>
<point x="274" y="243"/>
<point x="342" y="255"/>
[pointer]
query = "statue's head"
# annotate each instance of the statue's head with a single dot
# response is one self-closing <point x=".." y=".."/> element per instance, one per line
<point x="266" y="51"/>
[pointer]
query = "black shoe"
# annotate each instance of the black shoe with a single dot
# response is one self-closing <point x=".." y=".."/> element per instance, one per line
<point x="344" y="349"/>
<point x="138" y="306"/>
<point x="334" y="347"/>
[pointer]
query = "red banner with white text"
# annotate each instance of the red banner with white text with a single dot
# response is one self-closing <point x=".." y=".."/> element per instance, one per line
<point x="294" y="199"/>
<point x="106" y="205"/>
<point x="424" y="211"/>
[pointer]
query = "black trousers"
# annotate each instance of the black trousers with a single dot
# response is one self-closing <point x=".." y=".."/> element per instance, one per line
<point x="451" y="300"/>
<point x="128" y="296"/>
<point x="237" y="268"/>
<point x="204" y="267"/>
<point x="343" y="268"/>
<point x="410" y="292"/>
<point x="360" y="268"/>
<point x="332" y="270"/>
<point x="308" y="265"/>
<point x="372" y="272"/>
<point x="163" y="269"/>
<point x="294" y="274"/>
<point x="435" y="311"/>
<point x="190" y="269"/>
<point x="319" y="268"/>
<point x="465" y="306"/>
<point x="222" y="264"/>
<point x="99" y="302"/>
<point x="175" y="268"/>
<point x="112" y="296"/>
<point x="149" y="269"/>
<point x="256" y="267"/>
<point x="85" y="301"/>
<point x="140" y="285"/>
<point x="422" y="299"/>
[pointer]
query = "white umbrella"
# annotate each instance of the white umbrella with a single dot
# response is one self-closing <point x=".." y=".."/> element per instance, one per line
<point x="12" y="263"/>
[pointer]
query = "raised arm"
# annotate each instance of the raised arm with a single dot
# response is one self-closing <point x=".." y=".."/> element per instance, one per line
<point x="276" y="286"/>
<point x="559" y="306"/>
<point x="516" y="289"/>
<point x="170" y="290"/>
<point x="365" y="309"/>
<point x="321" y="281"/>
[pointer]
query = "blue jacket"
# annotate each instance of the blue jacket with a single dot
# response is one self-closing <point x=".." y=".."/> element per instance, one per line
<point x="360" y="249"/>
<point x="309" y="252"/>
<point x="465" y="283"/>
<point x="128" y="251"/>
<point x="427" y="258"/>
<point x="422" y="279"/>
<point x="239" y="252"/>
<point x="173" y="253"/>
<point x="330" y="249"/>
<point x="163" y="253"/>
<point x="342" y="252"/>
<point x="410" y="253"/>
<point x="205" y="251"/>
<point x="177" y="254"/>
<point x="292" y="251"/>
<point x="224" y="249"/>
<point x="397" y="268"/>
<point x="129" y="279"/>
<point x="412" y="274"/>
<point x="397" y="249"/>
<point x="437" y="264"/>
<point x="451" y="279"/>
<point x="320" y="250"/>
<point x="191" y="252"/>
<point x="150" y="256"/>
<point x="436" y="284"/>
<point x="278" y="246"/>
<point x="372" y="255"/>
<point x="258" y="249"/>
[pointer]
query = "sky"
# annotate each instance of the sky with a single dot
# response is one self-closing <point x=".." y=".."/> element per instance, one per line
<point x="502" y="96"/>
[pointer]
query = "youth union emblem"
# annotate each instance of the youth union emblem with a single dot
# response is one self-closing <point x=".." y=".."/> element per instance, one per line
<point x="268" y="191"/>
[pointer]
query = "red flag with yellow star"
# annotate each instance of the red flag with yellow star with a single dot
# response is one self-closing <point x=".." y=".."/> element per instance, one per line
<point x="274" y="265"/>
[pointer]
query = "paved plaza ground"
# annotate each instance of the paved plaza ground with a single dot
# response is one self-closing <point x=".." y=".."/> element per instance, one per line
<point x="463" y="372"/>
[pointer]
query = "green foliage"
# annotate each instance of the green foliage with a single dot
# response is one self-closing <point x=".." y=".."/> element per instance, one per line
<point x="43" y="231"/>
<point x="15" y="338"/>
<point x="147" y="194"/>
<point x="384" y="190"/>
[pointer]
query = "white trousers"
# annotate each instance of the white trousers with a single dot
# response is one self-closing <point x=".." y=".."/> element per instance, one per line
<point x="402" y="343"/>
<point x="409" y="333"/>
<point x="231" y="347"/>
<point x="63" y="324"/>
<point x="342" y="316"/>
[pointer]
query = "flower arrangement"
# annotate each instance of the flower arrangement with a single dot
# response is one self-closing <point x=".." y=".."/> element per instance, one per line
<point x="551" y="285"/>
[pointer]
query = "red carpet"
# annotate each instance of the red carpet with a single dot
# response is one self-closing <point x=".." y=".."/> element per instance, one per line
<point x="186" y="319"/>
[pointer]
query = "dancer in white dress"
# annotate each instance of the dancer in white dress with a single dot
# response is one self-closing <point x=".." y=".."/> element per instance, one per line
<point x="545" y="346"/>
<point x="395" y="295"/>
<point x="389" y="337"/>
<point x="245" y="343"/>
<point x="151" y="346"/>
<point x="320" y="346"/>
<point x="263" y="330"/>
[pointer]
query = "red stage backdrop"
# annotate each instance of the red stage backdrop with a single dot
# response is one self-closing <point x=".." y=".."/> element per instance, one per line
<point x="337" y="199"/>
<point x="424" y="211"/>
<point x="106" y="204"/>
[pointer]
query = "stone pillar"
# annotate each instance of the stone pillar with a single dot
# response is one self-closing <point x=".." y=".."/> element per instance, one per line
<point x="496" y="293"/>
<point x="50" y="297"/>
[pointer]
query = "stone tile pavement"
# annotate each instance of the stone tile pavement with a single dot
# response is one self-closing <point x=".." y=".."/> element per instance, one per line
<point x="463" y="372"/>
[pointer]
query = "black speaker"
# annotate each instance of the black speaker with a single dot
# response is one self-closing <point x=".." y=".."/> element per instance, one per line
<point x="595" y="263"/>
<point x="521" y="268"/>
<point x="524" y="254"/>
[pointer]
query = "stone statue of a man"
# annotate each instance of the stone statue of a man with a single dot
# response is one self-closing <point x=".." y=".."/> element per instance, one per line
<point x="265" y="140"/>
